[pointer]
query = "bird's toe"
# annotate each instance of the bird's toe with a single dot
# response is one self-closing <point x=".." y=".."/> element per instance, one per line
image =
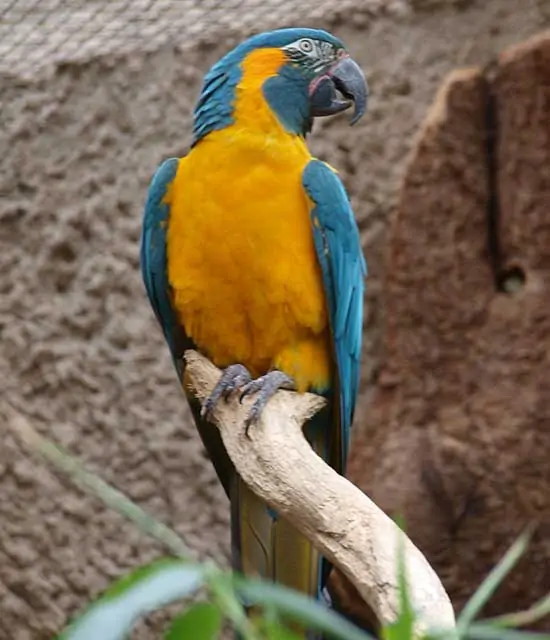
<point x="235" y="377"/>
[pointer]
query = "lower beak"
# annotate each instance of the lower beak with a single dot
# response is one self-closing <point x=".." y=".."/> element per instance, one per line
<point x="347" y="77"/>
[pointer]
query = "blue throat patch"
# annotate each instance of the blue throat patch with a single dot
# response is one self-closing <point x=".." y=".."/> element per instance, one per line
<point x="286" y="93"/>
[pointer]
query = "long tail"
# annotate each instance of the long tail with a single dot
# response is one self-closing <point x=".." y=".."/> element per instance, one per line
<point x="268" y="546"/>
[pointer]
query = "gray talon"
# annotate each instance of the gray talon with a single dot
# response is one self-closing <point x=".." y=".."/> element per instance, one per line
<point x="233" y="378"/>
<point x="266" y="387"/>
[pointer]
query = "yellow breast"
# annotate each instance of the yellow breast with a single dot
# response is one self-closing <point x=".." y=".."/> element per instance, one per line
<point x="241" y="259"/>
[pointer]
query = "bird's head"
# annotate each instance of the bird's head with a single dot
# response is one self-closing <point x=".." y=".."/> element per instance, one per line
<point x="301" y="74"/>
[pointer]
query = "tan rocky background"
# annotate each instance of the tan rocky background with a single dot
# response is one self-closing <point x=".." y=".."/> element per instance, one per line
<point x="80" y="354"/>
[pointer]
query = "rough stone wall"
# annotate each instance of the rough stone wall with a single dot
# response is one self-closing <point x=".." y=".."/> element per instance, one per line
<point x="80" y="354"/>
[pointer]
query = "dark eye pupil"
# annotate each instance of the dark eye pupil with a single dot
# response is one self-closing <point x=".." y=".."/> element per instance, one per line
<point x="306" y="45"/>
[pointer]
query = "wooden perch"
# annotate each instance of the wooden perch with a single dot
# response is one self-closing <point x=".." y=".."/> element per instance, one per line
<point x="278" y="464"/>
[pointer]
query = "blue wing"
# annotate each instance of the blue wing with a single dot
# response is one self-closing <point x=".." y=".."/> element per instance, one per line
<point x="153" y="255"/>
<point x="343" y="267"/>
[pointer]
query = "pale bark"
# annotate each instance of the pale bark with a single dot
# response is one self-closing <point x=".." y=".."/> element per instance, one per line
<point x="278" y="464"/>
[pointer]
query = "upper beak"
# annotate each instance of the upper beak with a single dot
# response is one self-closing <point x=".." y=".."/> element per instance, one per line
<point x="347" y="77"/>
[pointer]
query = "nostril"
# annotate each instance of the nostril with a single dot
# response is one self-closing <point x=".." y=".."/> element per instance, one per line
<point x="511" y="280"/>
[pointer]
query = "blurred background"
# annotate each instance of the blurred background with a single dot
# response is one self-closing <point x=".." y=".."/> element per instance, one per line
<point x="93" y="95"/>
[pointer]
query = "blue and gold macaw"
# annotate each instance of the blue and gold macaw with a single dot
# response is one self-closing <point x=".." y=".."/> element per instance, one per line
<point x="250" y="254"/>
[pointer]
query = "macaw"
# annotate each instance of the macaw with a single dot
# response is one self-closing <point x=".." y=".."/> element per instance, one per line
<point x="250" y="254"/>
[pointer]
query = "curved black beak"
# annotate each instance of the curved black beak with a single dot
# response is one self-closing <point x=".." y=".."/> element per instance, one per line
<point x="347" y="77"/>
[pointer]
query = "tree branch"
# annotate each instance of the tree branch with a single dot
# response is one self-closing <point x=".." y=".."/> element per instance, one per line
<point x="278" y="464"/>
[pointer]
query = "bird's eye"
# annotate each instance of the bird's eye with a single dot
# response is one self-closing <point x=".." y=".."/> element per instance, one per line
<point x="306" y="45"/>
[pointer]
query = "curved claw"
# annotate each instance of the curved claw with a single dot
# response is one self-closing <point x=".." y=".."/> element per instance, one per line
<point x="266" y="387"/>
<point x="232" y="379"/>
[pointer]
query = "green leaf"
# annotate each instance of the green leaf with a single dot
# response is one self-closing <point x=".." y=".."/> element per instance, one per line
<point x="403" y="627"/>
<point x="487" y="632"/>
<point x="492" y="582"/>
<point x="222" y="592"/>
<point x="536" y="612"/>
<point x="441" y="634"/>
<point x="201" y="622"/>
<point x="297" y="607"/>
<point x="94" y="485"/>
<point x="146" y="589"/>
<point x="272" y="630"/>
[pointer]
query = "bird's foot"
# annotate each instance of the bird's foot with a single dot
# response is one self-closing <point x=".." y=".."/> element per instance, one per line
<point x="235" y="377"/>
<point x="266" y="387"/>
